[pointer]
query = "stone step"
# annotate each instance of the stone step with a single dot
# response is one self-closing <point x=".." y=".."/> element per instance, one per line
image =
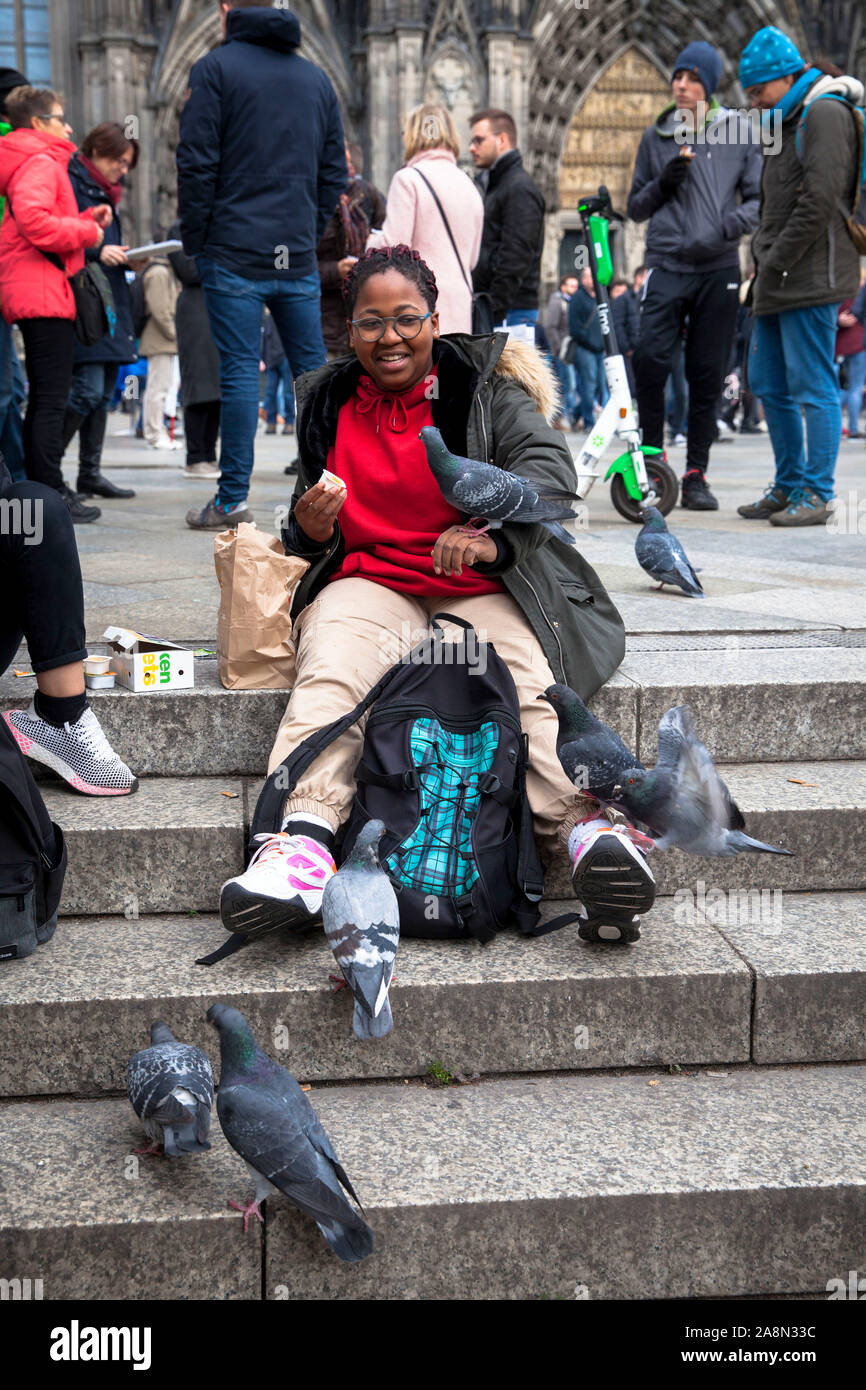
<point x="602" y="1185"/>
<point x="784" y="985"/>
<point x="76" y="1011"/>
<point x="749" y="705"/>
<point x="169" y="847"/>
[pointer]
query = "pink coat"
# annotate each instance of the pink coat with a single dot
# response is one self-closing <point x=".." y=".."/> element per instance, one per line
<point x="413" y="218"/>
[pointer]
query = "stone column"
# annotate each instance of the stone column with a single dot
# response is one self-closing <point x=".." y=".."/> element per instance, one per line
<point x="382" y="114"/>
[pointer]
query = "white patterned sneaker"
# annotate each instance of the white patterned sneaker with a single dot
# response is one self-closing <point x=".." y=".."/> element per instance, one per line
<point x="611" y="878"/>
<point x="282" y="887"/>
<point x="80" y="753"/>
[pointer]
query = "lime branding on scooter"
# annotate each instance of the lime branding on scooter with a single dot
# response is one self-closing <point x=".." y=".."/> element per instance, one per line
<point x="639" y="476"/>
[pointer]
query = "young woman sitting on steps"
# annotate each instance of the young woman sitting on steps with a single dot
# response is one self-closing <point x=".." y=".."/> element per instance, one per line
<point x="388" y="551"/>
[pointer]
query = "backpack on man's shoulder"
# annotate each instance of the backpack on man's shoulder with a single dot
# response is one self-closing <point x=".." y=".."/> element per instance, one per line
<point x="855" y="218"/>
<point x="444" y="766"/>
<point x="32" y="857"/>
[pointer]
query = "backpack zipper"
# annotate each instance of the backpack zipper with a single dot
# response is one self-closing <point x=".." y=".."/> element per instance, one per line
<point x="501" y="714"/>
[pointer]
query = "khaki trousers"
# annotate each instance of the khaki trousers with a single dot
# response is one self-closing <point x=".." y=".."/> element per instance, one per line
<point x="346" y="640"/>
<point x="156" y="391"/>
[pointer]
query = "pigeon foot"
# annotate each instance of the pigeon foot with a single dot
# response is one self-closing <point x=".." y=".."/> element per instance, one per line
<point x="476" y="526"/>
<point x="338" y="982"/>
<point x="248" y="1209"/>
<point x="152" y="1151"/>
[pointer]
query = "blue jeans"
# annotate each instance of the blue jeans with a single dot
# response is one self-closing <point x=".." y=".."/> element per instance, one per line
<point x="791" y="369"/>
<point x="234" y="306"/>
<point x="677" y="394"/>
<point x="853" y="396"/>
<point x="592" y="383"/>
<point x="279" y="376"/>
<point x="568" y="383"/>
<point x="12" y="394"/>
<point x="92" y="387"/>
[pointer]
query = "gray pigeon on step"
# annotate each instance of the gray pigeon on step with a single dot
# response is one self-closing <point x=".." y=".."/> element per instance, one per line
<point x="362" y="924"/>
<point x="493" y="494"/>
<point x="661" y="555"/>
<point x="683" y="799"/>
<point x="269" y="1121"/>
<point x="593" y="757"/>
<point x="170" y="1087"/>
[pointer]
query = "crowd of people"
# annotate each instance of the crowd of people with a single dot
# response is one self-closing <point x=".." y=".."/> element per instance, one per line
<point x="352" y="303"/>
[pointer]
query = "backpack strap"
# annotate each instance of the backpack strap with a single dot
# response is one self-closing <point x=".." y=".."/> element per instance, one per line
<point x="564" y="919"/>
<point x="530" y="875"/>
<point x="860" y="129"/>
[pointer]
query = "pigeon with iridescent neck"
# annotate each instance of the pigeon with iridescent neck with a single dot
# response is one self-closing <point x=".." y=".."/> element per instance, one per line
<point x="492" y="495"/>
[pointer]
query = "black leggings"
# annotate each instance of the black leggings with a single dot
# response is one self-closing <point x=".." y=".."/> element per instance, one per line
<point x="201" y="424"/>
<point x="49" y="346"/>
<point x="40" y="579"/>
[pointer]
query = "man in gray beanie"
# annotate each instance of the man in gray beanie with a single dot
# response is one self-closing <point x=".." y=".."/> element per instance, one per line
<point x="697" y="179"/>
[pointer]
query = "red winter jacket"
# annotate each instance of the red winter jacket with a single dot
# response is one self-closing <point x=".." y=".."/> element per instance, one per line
<point x="44" y="213"/>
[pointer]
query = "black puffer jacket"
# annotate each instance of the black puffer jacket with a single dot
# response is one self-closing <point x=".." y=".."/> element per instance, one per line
<point x="509" y="262"/>
<point x="496" y="400"/>
<point x="120" y="347"/>
<point x="261" y="160"/>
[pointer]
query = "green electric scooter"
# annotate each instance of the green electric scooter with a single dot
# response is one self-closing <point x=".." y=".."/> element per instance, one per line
<point x="639" y="477"/>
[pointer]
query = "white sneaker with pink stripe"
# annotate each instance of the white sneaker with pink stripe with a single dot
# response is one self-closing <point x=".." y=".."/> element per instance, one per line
<point x="283" y="885"/>
<point x="80" y="753"/>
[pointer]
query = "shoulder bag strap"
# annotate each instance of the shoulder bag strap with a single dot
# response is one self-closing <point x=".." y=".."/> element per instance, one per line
<point x="447" y="227"/>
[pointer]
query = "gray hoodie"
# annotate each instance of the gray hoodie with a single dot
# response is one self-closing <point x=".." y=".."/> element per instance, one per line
<point x="698" y="226"/>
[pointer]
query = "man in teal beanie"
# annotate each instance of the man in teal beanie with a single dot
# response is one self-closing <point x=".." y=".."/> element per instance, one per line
<point x="806" y="265"/>
<point x="697" y="179"/>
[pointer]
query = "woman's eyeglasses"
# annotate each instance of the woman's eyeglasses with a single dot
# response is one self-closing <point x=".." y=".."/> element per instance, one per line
<point x="407" y="325"/>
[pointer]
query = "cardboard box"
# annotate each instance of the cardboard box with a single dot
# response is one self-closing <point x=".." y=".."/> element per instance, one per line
<point x="144" y="664"/>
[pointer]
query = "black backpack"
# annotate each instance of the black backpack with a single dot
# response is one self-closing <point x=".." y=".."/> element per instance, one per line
<point x="444" y="766"/>
<point x="32" y="857"/>
<point x="138" y="305"/>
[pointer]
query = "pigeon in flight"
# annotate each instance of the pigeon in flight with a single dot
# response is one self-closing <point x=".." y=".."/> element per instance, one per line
<point x="593" y="757"/>
<point x="362" y="924"/>
<point x="661" y="555"/>
<point x="170" y="1087"/>
<point x="493" y="495"/>
<point x="683" y="800"/>
<point x="268" y="1120"/>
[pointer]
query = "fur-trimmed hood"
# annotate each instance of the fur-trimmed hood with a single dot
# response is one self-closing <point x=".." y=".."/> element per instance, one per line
<point x="525" y="365"/>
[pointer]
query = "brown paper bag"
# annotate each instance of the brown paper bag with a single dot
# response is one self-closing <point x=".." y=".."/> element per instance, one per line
<point x="257" y="584"/>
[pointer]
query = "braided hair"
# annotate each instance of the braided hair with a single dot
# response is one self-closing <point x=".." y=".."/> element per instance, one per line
<point x="381" y="258"/>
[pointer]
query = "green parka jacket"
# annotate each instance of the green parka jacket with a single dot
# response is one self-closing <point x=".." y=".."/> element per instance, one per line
<point x="802" y="248"/>
<point x="495" y="400"/>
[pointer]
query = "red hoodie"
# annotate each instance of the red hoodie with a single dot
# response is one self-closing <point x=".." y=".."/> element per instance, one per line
<point x="43" y="214"/>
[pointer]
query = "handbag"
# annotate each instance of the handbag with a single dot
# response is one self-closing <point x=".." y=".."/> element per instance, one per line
<point x="95" y="314"/>
<point x="482" y="307"/>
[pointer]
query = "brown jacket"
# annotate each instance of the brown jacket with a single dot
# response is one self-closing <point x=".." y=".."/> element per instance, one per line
<point x="802" y="248"/>
<point x="161" y="289"/>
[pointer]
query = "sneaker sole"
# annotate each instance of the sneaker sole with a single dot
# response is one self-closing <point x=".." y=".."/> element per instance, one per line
<point x="251" y="915"/>
<point x="610" y="931"/>
<point x="611" y="882"/>
<point x="34" y="750"/>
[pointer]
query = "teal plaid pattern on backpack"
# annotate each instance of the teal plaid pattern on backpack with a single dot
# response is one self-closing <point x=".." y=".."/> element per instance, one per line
<point x="437" y="857"/>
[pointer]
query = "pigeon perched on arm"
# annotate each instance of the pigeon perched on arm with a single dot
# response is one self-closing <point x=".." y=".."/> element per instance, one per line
<point x="493" y="494"/>
<point x="362" y="924"/>
<point x="593" y="757"/>
<point x="684" y="800"/>
<point x="661" y="555"/>
<point x="268" y="1120"/>
<point x="170" y="1087"/>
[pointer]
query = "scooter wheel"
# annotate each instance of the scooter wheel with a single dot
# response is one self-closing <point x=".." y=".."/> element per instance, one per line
<point x="662" y="480"/>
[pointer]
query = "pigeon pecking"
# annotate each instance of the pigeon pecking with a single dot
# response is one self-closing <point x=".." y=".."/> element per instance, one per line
<point x="268" y="1120"/>
<point x="170" y="1087"/>
<point x="362" y="924"/>
<point x="683" y="799"/>
<point x="661" y="555"/>
<point x="593" y="757"/>
<point x="492" y="494"/>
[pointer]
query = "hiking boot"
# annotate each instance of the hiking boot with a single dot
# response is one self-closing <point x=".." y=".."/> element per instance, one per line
<point x="202" y="470"/>
<point x="214" y="517"/>
<point x="289" y="427"/>
<point x="612" y="880"/>
<point x="271" y="429"/>
<point x="805" y="508"/>
<point x="775" y="499"/>
<point x="97" y="485"/>
<point x="77" y="510"/>
<point x="282" y="887"/>
<point x="80" y="753"/>
<point x="696" y="495"/>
